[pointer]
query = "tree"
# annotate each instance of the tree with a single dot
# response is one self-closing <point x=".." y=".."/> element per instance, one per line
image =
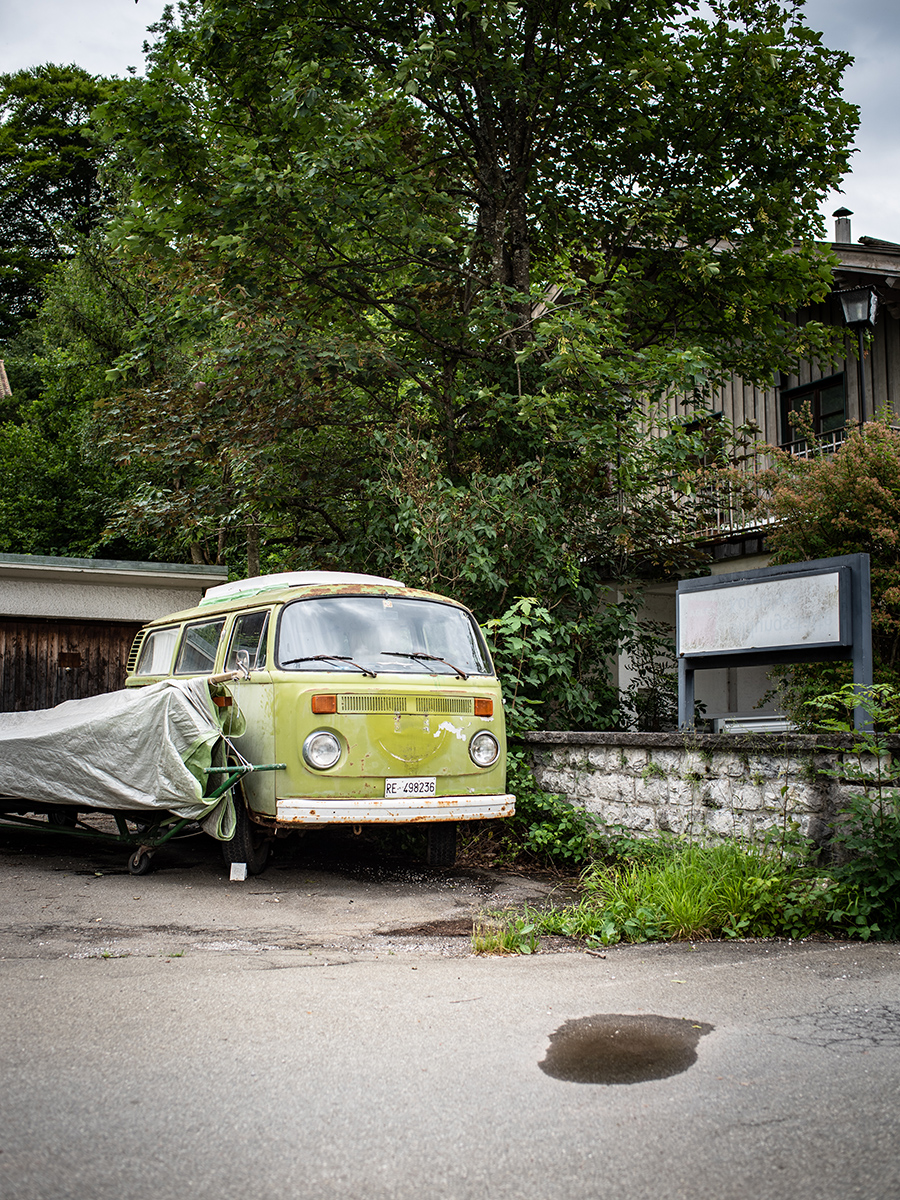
<point x="58" y="490"/>
<point x="49" y="189"/>
<point x="491" y="220"/>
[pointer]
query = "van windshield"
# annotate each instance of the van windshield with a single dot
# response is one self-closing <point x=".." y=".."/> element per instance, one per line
<point x="380" y="634"/>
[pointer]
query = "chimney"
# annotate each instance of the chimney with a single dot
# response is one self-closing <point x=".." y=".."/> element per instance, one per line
<point x="842" y="225"/>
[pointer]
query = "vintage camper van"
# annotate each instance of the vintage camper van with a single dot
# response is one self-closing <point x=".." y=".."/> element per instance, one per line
<point x="376" y="702"/>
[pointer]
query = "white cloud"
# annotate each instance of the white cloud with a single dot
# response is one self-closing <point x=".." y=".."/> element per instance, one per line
<point x="870" y="31"/>
<point x="103" y="36"/>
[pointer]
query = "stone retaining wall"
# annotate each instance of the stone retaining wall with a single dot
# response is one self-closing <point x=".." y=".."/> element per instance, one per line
<point x="718" y="785"/>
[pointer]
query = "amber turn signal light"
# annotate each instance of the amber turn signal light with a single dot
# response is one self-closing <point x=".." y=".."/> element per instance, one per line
<point x="324" y="704"/>
<point x="484" y="707"/>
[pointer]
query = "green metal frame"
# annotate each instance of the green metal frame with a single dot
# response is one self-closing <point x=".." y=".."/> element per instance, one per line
<point x="149" y="836"/>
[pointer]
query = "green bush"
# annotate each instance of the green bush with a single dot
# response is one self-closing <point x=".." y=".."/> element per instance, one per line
<point x="545" y="826"/>
<point x="868" y="833"/>
<point x="684" y="890"/>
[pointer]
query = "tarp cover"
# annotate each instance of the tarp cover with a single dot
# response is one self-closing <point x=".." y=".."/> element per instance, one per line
<point x="140" y="749"/>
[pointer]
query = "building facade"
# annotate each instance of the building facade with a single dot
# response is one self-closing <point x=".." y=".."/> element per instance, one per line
<point x="836" y="396"/>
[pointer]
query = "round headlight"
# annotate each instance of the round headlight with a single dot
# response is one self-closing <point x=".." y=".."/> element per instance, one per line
<point x="321" y="750"/>
<point x="484" y="749"/>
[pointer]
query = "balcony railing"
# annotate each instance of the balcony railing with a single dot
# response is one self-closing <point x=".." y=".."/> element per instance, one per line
<point x="731" y="503"/>
<point x="826" y="443"/>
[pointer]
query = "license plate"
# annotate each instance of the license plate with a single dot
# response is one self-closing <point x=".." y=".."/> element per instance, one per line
<point x="410" y="787"/>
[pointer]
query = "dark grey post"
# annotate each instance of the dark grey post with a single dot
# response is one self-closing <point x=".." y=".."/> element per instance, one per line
<point x="863" y="664"/>
<point x="861" y="376"/>
<point x="685" y="695"/>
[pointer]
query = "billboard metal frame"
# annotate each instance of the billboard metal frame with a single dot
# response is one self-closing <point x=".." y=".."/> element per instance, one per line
<point x="855" y="641"/>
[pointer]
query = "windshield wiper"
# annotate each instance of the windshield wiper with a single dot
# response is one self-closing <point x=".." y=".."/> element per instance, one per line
<point x="427" y="658"/>
<point x="288" y="662"/>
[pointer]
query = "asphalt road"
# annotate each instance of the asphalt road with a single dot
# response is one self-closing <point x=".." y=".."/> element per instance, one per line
<point x="317" y="1032"/>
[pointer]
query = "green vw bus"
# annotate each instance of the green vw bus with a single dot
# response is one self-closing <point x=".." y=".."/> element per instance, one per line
<point x="379" y="700"/>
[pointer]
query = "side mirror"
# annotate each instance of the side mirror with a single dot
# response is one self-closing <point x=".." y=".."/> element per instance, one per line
<point x="242" y="658"/>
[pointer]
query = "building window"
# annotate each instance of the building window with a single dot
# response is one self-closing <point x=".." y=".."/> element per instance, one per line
<point x="821" y="406"/>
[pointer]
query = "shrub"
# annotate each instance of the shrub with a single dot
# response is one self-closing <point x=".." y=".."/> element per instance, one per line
<point x="842" y="503"/>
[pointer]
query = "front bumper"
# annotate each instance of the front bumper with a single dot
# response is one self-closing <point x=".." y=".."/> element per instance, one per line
<point x="302" y="811"/>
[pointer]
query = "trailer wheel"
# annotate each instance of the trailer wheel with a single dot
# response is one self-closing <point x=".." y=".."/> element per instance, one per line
<point x="62" y="818"/>
<point x="250" y="843"/>
<point x="441" y="844"/>
<point x="140" y="863"/>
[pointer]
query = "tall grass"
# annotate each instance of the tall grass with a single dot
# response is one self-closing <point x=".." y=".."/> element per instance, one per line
<point x="686" y="890"/>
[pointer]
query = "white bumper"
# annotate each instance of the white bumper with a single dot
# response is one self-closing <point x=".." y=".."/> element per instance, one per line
<point x="301" y="811"/>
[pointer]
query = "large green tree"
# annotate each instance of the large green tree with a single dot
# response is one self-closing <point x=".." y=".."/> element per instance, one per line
<point x="61" y="326"/>
<point x="49" y="189"/>
<point x="502" y="224"/>
<point x="58" y="490"/>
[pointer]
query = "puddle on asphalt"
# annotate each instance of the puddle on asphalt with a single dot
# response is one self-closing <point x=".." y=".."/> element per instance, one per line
<point x="613" y="1048"/>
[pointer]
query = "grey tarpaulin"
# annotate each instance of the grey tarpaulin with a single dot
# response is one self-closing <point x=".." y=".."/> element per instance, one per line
<point x="141" y="749"/>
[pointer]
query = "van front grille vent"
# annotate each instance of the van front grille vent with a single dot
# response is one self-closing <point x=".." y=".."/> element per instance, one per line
<point x="401" y="704"/>
<point x="364" y="704"/>
<point x="444" y="704"/>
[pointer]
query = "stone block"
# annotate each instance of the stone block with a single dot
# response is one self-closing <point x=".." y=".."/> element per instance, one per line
<point x="603" y="758"/>
<point x="611" y="814"/>
<point x="767" y="767"/>
<point x="695" y="763"/>
<point x="729" y="765"/>
<point x="633" y="761"/>
<point x="717" y="794"/>
<point x="640" y="818"/>
<point x="654" y="791"/>
<point x="748" y="797"/>
<point x="668" y="761"/>
<point x="722" y="823"/>
<point x="559" y="782"/>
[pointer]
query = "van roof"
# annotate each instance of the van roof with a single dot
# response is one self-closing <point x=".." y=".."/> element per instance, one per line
<point x="317" y="583"/>
<point x="287" y="579"/>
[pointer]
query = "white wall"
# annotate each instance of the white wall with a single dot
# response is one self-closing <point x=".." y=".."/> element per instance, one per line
<point x="97" y="589"/>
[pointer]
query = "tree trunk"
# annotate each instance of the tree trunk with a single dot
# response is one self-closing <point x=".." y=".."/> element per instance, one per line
<point x="252" y="549"/>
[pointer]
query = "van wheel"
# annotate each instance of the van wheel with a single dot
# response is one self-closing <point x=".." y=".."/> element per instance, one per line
<point x="441" y="844"/>
<point x="250" y="843"/>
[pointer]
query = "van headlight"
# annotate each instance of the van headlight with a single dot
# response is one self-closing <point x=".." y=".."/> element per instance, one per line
<point x="484" y="749"/>
<point x="321" y="750"/>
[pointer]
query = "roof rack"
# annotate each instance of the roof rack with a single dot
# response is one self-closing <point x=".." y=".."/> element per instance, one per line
<point x="289" y="579"/>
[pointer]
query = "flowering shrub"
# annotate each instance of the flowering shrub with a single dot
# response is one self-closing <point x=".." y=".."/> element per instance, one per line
<point x="847" y="502"/>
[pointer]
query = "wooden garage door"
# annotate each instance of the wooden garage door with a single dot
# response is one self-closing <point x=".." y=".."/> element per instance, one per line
<point x="44" y="662"/>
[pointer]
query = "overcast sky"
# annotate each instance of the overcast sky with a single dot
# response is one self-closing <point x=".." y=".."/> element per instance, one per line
<point x="105" y="37"/>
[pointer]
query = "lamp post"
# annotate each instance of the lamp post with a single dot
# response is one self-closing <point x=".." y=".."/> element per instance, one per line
<point x="860" y="307"/>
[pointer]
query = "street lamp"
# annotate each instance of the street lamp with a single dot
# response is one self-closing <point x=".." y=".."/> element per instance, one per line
<point x="860" y="307"/>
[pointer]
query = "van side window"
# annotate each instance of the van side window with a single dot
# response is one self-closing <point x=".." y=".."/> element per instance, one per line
<point x="250" y="635"/>
<point x="156" y="652"/>
<point x="197" y="655"/>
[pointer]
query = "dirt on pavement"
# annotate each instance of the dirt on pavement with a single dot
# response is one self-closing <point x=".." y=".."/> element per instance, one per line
<point x="65" y="897"/>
